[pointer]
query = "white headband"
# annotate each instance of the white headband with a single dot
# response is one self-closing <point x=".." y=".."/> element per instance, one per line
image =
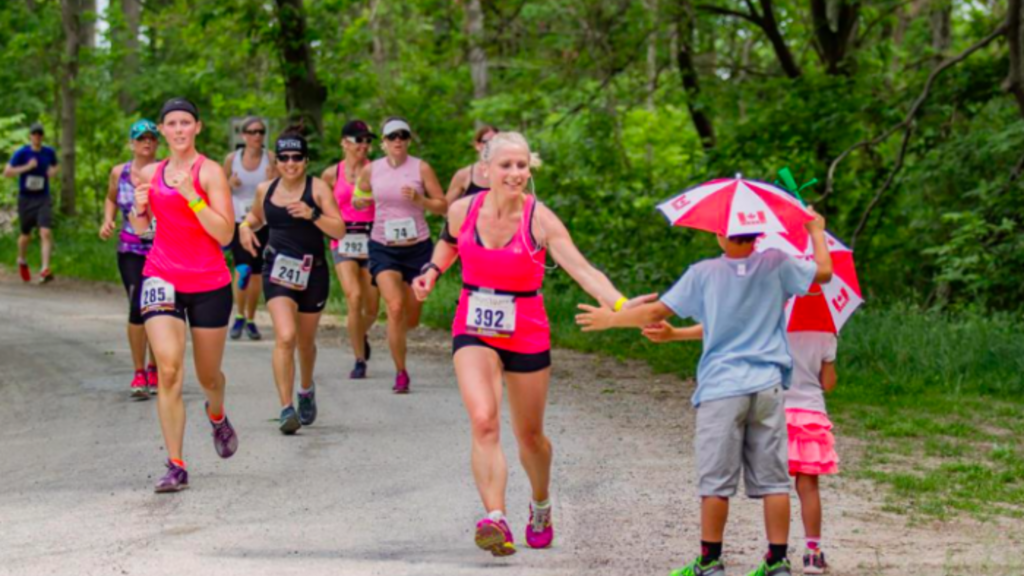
<point x="394" y="126"/>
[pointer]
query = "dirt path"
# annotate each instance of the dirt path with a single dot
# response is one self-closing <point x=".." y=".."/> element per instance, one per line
<point x="381" y="484"/>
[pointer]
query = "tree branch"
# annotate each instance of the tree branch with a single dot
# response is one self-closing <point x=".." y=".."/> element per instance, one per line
<point x="885" y="186"/>
<point x="905" y="124"/>
<point x="752" y="18"/>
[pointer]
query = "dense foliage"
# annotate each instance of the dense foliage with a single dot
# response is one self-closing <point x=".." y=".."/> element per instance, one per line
<point x="598" y="88"/>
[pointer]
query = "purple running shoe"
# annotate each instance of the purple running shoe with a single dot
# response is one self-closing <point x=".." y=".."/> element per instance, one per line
<point x="401" y="383"/>
<point x="359" y="372"/>
<point x="175" y="480"/>
<point x="225" y="441"/>
<point x="539" y="532"/>
<point x="495" y="537"/>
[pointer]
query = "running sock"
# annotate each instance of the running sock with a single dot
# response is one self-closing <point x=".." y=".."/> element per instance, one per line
<point x="542" y="505"/>
<point x="215" y="418"/>
<point x="496" y="515"/>
<point x="22" y="261"/>
<point x="151" y="366"/>
<point x="307" y="391"/>
<point x="709" y="552"/>
<point x="178" y="463"/>
<point x="813" y="543"/>
<point x="776" y="553"/>
<point x="239" y="317"/>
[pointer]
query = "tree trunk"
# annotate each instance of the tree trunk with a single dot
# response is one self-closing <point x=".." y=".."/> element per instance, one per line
<point x="782" y="52"/>
<point x="304" y="94"/>
<point x="87" y="23"/>
<point x="477" y="54"/>
<point x="686" y="19"/>
<point x="129" y="68"/>
<point x="941" y="23"/>
<point x="1015" y="38"/>
<point x="835" y="25"/>
<point x="71" y="14"/>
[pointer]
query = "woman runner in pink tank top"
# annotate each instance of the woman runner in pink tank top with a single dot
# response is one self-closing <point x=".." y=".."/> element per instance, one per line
<point x="403" y="188"/>
<point x="351" y="256"/>
<point x="501" y="328"/>
<point x="186" y="280"/>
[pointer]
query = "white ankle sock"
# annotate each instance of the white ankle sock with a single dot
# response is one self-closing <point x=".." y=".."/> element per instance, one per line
<point x="496" y="515"/>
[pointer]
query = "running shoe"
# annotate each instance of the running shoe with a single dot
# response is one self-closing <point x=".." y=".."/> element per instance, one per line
<point x="695" y="568"/>
<point x="237" y="327"/>
<point x="244" y="274"/>
<point x="814" y="562"/>
<point x="307" y="406"/>
<point x="225" y="441"/>
<point x="152" y="380"/>
<point x="539" y="532"/>
<point x="401" y="383"/>
<point x="289" y="423"/>
<point x="140" y="387"/>
<point x="495" y="537"/>
<point x="359" y="372"/>
<point x="175" y="480"/>
<point x="26" y="274"/>
<point x="45" y="276"/>
<point x="366" y="347"/>
<point x="252" y="331"/>
<point x="781" y="568"/>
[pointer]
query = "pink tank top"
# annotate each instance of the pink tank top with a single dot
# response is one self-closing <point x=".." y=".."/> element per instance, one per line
<point x="516" y="267"/>
<point x="387" y="184"/>
<point x="343" y="194"/>
<point x="183" y="253"/>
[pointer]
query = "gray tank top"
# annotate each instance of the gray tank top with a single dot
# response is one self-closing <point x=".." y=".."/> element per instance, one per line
<point x="244" y="196"/>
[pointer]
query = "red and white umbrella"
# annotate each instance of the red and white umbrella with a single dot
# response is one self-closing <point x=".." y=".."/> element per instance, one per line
<point x="827" y="307"/>
<point x="735" y="206"/>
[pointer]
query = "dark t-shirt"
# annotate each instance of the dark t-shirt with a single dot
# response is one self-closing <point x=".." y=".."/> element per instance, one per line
<point x="35" y="182"/>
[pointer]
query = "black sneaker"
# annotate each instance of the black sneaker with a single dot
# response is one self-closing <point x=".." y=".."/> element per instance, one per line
<point x="359" y="372"/>
<point x="289" y="421"/>
<point x="307" y="406"/>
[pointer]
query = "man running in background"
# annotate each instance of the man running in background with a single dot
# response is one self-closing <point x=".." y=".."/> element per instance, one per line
<point x="34" y="165"/>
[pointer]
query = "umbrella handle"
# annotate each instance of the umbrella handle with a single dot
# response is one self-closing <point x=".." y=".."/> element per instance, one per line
<point x="789" y="183"/>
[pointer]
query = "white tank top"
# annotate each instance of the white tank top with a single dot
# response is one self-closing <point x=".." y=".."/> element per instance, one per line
<point x="243" y="196"/>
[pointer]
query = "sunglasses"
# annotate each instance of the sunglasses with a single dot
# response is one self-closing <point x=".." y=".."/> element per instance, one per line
<point x="286" y="158"/>
<point x="400" y="135"/>
<point x="359" y="139"/>
<point x="260" y="131"/>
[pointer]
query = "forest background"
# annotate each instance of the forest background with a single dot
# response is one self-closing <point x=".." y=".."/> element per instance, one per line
<point x="910" y="113"/>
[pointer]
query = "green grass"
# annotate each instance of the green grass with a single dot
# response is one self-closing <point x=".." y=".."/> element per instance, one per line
<point x="935" y="402"/>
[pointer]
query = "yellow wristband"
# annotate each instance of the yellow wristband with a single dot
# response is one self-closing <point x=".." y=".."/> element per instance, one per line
<point x="620" y="303"/>
<point x="198" y="205"/>
<point x="245" y="224"/>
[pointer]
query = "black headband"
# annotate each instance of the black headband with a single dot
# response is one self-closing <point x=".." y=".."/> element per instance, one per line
<point x="291" y="143"/>
<point x="178" y="105"/>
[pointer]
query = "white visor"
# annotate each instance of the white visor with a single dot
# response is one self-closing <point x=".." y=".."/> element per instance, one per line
<point x="393" y="126"/>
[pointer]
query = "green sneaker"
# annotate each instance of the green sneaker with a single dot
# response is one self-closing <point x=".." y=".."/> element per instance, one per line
<point x="695" y="568"/>
<point x="781" y="568"/>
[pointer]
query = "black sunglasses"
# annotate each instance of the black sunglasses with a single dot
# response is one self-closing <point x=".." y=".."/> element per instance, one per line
<point x="400" y="135"/>
<point x="286" y="158"/>
<point x="261" y="131"/>
<point x="359" y="139"/>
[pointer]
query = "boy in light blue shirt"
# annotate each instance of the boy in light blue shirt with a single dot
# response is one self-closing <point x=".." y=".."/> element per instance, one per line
<point x="739" y="300"/>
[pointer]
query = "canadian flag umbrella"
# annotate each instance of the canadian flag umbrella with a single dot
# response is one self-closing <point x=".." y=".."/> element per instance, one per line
<point x="828" y="306"/>
<point x="735" y="206"/>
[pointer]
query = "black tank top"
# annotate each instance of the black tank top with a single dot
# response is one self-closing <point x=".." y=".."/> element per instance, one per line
<point x="473" y="188"/>
<point x="292" y="236"/>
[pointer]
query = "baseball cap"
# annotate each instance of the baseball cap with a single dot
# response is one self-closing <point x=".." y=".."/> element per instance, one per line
<point x="357" y="128"/>
<point x="142" y="127"/>
<point x="178" y="105"/>
<point x="36" y="128"/>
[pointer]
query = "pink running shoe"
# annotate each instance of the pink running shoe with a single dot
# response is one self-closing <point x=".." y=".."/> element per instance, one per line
<point x="140" y="390"/>
<point x="495" y="537"/>
<point x="539" y="532"/>
<point x="152" y="379"/>
<point x="401" y="383"/>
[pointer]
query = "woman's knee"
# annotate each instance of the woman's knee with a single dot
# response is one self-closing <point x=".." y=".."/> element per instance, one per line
<point x="354" y="299"/>
<point x="286" y="339"/>
<point x="533" y="440"/>
<point x="485" y="426"/>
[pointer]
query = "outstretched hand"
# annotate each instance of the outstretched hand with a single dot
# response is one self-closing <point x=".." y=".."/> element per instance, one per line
<point x="594" y="318"/>
<point x="638" y="300"/>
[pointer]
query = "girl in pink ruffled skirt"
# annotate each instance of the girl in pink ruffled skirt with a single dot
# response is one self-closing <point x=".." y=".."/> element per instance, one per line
<point x="811" y="444"/>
